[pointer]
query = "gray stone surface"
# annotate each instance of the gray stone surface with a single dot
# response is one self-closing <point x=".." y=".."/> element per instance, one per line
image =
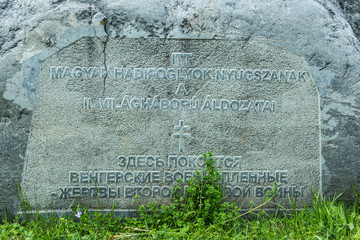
<point x="322" y="32"/>
<point x="351" y="9"/>
<point x="253" y="105"/>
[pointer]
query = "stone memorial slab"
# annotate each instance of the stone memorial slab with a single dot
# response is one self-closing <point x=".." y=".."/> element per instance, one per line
<point x="136" y="118"/>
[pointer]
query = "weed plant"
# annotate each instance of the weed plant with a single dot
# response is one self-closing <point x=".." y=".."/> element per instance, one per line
<point x="201" y="204"/>
<point x="197" y="213"/>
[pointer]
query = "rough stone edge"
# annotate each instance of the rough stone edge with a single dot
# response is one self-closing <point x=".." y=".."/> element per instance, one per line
<point x="68" y="213"/>
<point x="131" y="213"/>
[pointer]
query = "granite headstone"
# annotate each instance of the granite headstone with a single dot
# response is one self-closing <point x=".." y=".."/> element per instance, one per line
<point x="138" y="121"/>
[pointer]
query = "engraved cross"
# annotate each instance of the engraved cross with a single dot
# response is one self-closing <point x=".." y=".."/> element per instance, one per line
<point x="181" y="134"/>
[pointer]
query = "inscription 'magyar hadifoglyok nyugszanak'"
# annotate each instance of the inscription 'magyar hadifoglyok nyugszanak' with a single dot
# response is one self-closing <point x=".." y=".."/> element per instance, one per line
<point x="136" y="120"/>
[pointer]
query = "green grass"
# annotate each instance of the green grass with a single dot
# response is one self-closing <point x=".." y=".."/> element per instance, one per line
<point x="201" y="213"/>
<point x="325" y="219"/>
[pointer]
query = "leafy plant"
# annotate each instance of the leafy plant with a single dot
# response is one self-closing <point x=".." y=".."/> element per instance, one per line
<point x="200" y="204"/>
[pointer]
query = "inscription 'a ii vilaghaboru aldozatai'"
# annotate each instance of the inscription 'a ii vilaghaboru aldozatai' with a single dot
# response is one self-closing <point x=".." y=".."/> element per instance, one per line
<point x="140" y="123"/>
